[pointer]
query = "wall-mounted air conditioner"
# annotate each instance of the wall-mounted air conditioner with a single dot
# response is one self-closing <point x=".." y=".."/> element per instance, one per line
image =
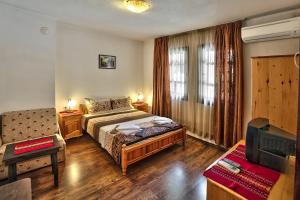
<point x="288" y="28"/>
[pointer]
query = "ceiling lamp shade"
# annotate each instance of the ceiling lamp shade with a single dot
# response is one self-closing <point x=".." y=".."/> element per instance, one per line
<point x="137" y="6"/>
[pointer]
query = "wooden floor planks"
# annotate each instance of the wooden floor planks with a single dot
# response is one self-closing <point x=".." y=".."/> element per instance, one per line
<point x="90" y="173"/>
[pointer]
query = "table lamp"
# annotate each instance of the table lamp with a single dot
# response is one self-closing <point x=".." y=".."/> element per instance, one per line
<point x="140" y="97"/>
<point x="71" y="105"/>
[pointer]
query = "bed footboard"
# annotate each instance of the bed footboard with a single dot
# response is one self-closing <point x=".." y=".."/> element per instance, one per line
<point x="148" y="147"/>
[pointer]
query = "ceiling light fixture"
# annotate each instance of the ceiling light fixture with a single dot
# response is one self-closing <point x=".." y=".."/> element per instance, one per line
<point x="138" y="6"/>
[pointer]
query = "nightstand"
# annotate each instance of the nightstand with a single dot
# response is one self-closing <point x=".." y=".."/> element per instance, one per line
<point x="140" y="106"/>
<point x="70" y="124"/>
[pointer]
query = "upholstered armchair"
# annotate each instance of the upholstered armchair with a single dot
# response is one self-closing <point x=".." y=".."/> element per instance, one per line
<point x="25" y="125"/>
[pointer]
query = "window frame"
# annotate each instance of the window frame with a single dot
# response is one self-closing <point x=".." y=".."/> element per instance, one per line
<point x="186" y="71"/>
<point x="205" y="100"/>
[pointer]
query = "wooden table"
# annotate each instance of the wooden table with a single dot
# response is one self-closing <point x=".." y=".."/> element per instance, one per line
<point x="282" y="190"/>
<point x="12" y="159"/>
<point x="17" y="190"/>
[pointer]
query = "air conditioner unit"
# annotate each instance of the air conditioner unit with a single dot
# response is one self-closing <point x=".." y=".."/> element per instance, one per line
<point x="288" y="28"/>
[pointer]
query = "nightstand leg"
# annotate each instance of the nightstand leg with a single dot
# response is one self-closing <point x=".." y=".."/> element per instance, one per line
<point x="54" y="168"/>
<point x="12" y="172"/>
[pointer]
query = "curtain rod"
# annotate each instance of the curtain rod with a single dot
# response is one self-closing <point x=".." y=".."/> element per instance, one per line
<point x="186" y="32"/>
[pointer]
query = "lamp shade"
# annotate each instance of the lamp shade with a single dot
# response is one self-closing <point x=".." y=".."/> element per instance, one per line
<point x="140" y="97"/>
<point x="71" y="104"/>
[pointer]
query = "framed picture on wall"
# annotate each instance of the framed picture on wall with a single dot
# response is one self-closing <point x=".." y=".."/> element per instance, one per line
<point x="107" y="62"/>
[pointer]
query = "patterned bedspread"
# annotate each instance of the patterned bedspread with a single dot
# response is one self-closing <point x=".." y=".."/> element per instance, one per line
<point x="103" y="128"/>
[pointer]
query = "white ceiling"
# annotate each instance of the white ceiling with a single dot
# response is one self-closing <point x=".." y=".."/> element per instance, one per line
<point x="165" y="17"/>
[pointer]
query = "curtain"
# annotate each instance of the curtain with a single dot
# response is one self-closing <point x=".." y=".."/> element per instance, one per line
<point x="191" y="60"/>
<point x="161" y="104"/>
<point x="228" y="97"/>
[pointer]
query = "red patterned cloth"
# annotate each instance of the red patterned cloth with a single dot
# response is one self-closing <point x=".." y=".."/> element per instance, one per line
<point x="253" y="182"/>
<point x="33" y="145"/>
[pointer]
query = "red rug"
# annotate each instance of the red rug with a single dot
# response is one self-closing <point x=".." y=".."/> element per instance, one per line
<point x="33" y="145"/>
<point x="253" y="182"/>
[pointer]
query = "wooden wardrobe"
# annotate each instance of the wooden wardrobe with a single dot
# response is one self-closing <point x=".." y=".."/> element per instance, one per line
<point x="275" y="90"/>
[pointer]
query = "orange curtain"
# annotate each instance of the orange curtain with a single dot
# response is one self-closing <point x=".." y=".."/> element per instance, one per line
<point x="228" y="97"/>
<point x="161" y="104"/>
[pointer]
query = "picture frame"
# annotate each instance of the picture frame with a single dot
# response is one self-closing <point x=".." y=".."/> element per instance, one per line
<point x="107" y="61"/>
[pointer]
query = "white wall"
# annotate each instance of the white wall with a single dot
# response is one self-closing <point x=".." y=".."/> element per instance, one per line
<point x="27" y="60"/>
<point x="148" y="70"/>
<point x="38" y="70"/>
<point x="268" y="48"/>
<point x="77" y="74"/>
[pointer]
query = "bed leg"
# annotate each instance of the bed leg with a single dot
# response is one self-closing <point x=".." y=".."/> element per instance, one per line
<point x="124" y="160"/>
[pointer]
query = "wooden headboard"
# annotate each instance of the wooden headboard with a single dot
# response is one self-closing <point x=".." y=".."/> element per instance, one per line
<point x="275" y="91"/>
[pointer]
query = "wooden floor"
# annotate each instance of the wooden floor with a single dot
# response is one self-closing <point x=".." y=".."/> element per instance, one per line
<point x="90" y="173"/>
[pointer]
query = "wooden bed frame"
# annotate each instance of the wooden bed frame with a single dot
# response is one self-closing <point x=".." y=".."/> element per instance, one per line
<point x="135" y="152"/>
<point x="138" y="151"/>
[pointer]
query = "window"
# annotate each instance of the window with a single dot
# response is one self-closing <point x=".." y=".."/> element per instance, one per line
<point x="206" y="74"/>
<point x="178" y="61"/>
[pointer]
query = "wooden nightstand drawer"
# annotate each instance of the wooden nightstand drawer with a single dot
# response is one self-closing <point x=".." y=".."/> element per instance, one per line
<point x="72" y="128"/>
<point x="70" y="124"/>
<point x="72" y="119"/>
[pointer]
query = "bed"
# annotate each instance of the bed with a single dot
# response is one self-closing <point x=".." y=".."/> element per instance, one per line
<point x="129" y="144"/>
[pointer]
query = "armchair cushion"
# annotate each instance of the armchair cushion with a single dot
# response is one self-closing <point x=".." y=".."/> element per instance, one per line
<point x="28" y="124"/>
